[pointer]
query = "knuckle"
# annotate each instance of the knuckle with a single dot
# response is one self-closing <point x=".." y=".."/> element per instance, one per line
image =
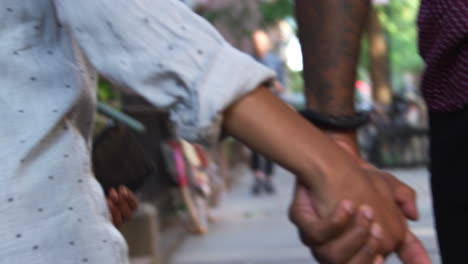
<point x="371" y="246"/>
<point x="361" y="232"/>
<point x="329" y="255"/>
<point x="410" y="192"/>
<point x="338" y="221"/>
<point x="317" y="237"/>
<point x="362" y="225"/>
<point x="313" y="237"/>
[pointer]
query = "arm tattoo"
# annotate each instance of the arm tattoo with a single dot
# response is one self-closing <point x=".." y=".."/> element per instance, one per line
<point x="330" y="32"/>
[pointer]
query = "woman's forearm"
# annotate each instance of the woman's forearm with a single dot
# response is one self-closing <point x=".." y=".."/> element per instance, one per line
<point x="266" y="124"/>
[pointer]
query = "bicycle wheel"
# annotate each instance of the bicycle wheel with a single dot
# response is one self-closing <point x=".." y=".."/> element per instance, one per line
<point x="197" y="209"/>
<point x="195" y="203"/>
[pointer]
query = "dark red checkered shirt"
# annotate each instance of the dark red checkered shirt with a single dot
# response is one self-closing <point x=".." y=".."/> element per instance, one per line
<point x="443" y="43"/>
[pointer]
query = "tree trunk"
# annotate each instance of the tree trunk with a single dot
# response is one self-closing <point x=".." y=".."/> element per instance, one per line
<point x="379" y="61"/>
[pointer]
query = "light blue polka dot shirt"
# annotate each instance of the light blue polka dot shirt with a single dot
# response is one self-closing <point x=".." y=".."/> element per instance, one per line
<point x="52" y="209"/>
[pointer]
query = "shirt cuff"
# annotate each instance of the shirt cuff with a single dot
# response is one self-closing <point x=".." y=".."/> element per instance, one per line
<point x="231" y="75"/>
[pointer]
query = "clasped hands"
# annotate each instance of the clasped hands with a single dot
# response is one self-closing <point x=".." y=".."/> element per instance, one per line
<point x="368" y="219"/>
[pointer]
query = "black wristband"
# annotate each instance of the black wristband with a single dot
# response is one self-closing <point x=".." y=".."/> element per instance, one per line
<point x="335" y="122"/>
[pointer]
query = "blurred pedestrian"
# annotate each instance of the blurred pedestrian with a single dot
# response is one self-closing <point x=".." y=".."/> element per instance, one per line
<point x="262" y="167"/>
<point x="263" y="53"/>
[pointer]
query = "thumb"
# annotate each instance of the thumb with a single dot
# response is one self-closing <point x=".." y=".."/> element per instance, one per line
<point x="412" y="251"/>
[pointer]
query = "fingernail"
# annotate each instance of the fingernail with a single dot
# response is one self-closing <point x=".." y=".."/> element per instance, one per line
<point x="113" y="193"/>
<point x="123" y="189"/>
<point x="379" y="260"/>
<point x="376" y="231"/>
<point x="367" y="211"/>
<point x="348" y="206"/>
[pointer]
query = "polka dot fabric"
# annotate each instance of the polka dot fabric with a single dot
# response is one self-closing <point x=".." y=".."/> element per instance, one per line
<point x="53" y="210"/>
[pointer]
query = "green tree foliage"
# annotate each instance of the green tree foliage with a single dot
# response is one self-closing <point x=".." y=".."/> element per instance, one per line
<point x="108" y="94"/>
<point x="399" y="20"/>
<point x="105" y="92"/>
<point x="295" y="82"/>
<point x="276" y="10"/>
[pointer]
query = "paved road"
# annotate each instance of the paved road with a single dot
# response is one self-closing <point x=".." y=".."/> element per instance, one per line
<point x="257" y="231"/>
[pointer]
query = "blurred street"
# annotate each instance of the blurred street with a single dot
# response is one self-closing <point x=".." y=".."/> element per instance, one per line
<point x="256" y="230"/>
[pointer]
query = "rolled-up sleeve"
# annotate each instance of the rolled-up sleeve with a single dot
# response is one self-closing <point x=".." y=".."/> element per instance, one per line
<point x="166" y="53"/>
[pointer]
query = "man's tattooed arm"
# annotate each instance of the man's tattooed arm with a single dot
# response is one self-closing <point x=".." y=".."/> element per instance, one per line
<point x="330" y="32"/>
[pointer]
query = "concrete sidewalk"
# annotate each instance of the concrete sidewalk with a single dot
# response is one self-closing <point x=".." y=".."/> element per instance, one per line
<point x="256" y="230"/>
